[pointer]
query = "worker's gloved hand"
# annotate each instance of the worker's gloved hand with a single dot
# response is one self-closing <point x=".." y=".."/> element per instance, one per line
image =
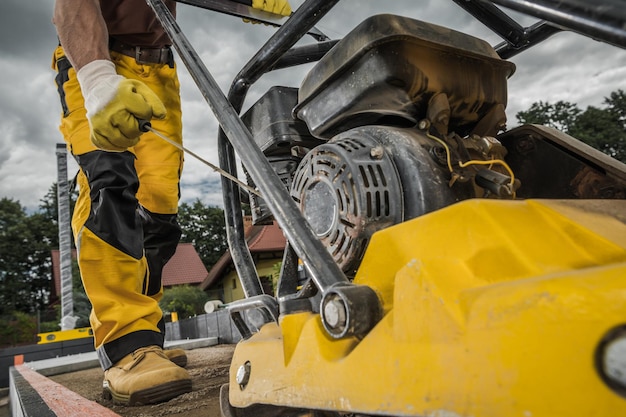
<point x="273" y="6"/>
<point x="114" y="103"/>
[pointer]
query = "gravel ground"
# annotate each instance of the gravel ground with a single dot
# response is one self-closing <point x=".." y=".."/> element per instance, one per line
<point x="208" y="368"/>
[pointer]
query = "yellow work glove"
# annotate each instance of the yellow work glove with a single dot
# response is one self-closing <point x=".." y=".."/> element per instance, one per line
<point x="114" y="103"/>
<point x="273" y="6"/>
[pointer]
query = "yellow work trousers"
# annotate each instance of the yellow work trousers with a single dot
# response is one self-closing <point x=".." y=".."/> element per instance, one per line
<point x="124" y="221"/>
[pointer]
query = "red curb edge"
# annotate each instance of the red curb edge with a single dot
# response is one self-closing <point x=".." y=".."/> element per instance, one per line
<point x="61" y="400"/>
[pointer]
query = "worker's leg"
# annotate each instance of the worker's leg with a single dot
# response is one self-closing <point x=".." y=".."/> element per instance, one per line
<point x="108" y="226"/>
<point x="159" y="166"/>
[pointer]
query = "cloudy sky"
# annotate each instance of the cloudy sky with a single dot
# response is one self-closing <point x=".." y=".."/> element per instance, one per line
<point x="567" y="67"/>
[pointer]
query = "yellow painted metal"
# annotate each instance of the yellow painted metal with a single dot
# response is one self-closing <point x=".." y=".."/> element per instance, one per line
<point x="492" y="309"/>
<point x="63" y="335"/>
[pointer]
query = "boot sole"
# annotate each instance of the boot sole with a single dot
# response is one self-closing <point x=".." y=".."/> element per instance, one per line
<point x="179" y="360"/>
<point x="157" y="394"/>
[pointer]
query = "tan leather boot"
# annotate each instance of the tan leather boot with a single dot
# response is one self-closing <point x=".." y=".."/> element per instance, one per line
<point x="145" y="376"/>
<point x="178" y="356"/>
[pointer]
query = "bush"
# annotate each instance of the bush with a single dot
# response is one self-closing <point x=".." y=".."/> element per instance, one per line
<point x="17" y="329"/>
<point x="185" y="300"/>
<point x="49" y="326"/>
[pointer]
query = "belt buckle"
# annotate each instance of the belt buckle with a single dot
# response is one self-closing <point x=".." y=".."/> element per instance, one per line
<point x="165" y="56"/>
<point x="138" y="53"/>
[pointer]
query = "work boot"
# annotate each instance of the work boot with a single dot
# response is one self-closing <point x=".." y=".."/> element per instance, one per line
<point x="177" y="356"/>
<point x="145" y="376"/>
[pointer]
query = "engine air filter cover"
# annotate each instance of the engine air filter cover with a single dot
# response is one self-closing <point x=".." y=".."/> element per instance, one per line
<point x="347" y="189"/>
<point x="386" y="70"/>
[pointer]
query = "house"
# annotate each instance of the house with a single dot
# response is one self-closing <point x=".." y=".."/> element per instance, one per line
<point x="267" y="244"/>
<point x="185" y="267"/>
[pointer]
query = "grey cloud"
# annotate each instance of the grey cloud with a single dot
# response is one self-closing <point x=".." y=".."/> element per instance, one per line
<point x="26" y="29"/>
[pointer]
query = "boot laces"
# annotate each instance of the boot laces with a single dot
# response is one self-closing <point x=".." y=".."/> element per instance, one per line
<point x="139" y="354"/>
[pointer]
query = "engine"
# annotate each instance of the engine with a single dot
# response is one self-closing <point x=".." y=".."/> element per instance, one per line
<point x="399" y="119"/>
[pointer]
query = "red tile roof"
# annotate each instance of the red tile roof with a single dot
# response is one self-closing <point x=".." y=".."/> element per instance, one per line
<point x="185" y="267"/>
<point x="266" y="238"/>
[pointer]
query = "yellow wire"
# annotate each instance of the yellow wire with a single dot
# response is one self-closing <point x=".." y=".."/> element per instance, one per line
<point x="475" y="162"/>
<point x="491" y="161"/>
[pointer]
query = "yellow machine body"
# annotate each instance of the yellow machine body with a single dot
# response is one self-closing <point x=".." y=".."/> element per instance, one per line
<point x="491" y="309"/>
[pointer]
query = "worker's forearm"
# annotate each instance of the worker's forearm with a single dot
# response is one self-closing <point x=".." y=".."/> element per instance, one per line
<point x="81" y="30"/>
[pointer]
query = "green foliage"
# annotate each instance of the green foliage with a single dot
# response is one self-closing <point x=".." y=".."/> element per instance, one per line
<point x="560" y="115"/>
<point x="185" y="300"/>
<point x="49" y="326"/>
<point x="26" y="242"/>
<point x="25" y="259"/>
<point x="205" y="228"/>
<point x="12" y="263"/>
<point x="50" y="319"/>
<point x="276" y="275"/>
<point x="17" y="329"/>
<point x="604" y="129"/>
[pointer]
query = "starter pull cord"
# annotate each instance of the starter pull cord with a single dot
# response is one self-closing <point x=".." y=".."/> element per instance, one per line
<point x="146" y="126"/>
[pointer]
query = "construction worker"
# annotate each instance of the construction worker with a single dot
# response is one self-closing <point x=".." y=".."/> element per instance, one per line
<point x="115" y="66"/>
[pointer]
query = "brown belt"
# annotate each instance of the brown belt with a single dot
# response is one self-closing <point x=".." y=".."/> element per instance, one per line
<point x="144" y="55"/>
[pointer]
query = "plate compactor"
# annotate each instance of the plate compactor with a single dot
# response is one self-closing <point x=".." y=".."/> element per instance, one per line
<point x="437" y="264"/>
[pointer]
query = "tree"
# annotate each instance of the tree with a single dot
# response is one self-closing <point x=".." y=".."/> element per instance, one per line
<point x="600" y="129"/>
<point x="604" y="129"/>
<point x="185" y="300"/>
<point x="12" y="264"/>
<point x="205" y="228"/>
<point x="44" y="237"/>
<point x="616" y="103"/>
<point x="25" y="260"/>
<point x="560" y="115"/>
<point x="26" y="242"/>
